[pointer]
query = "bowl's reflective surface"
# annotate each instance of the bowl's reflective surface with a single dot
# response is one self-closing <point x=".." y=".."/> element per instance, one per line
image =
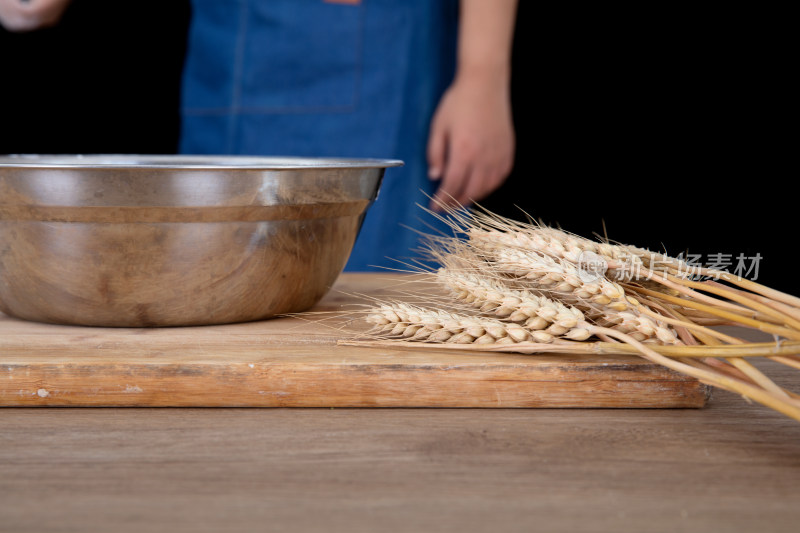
<point x="175" y="240"/>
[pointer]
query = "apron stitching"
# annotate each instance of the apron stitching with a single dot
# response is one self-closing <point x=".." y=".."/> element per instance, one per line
<point x="238" y="66"/>
<point x="277" y="110"/>
<point x="359" y="67"/>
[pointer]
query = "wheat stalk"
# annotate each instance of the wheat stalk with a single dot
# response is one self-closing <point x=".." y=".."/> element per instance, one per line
<point x="523" y="288"/>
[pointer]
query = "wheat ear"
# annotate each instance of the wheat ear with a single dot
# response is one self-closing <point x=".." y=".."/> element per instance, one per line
<point x="411" y="322"/>
<point x="536" y="312"/>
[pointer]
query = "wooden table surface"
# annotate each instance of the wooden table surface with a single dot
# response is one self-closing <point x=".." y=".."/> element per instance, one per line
<point x="727" y="467"/>
<point x="730" y="466"/>
<point x="296" y="362"/>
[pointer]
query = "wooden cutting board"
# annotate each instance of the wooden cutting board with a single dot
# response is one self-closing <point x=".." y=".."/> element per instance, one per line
<point x="295" y="362"/>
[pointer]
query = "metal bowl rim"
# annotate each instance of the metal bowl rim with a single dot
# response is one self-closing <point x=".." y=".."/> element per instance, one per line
<point x="189" y="162"/>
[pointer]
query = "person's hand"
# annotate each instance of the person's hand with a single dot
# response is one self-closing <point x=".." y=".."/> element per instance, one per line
<point x="29" y="15"/>
<point x="471" y="144"/>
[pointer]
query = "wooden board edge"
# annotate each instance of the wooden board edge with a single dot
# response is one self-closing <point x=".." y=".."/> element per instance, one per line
<point x="251" y="385"/>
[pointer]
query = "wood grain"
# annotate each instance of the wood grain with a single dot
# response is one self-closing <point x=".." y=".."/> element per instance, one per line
<point x="731" y="467"/>
<point x="295" y="362"/>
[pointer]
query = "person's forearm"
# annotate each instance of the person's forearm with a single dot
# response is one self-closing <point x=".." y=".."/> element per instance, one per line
<point x="486" y="29"/>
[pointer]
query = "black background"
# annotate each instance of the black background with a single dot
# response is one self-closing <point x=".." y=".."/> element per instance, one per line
<point x="668" y="129"/>
<point x="665" y="129"/>
<point x="104" y="80"/>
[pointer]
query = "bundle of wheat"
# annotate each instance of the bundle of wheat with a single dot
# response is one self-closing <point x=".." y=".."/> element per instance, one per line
<point x="528" y="288"/>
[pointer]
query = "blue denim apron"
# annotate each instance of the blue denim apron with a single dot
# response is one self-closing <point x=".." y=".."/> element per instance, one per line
<point x="326" y="78"/>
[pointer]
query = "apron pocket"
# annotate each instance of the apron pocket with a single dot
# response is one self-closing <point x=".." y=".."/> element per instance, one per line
<point x="301" y="56"/>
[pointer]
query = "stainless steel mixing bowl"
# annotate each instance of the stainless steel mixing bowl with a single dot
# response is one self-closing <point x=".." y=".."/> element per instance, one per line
<point x="175" y="240"/>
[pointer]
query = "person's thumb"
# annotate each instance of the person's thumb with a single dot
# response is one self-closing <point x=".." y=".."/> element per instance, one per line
<point x="437" y="148"/>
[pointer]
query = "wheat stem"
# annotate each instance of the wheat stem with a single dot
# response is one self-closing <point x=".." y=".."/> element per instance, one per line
<point x="757" y="376"/>
<point x="755" y="287"/>
<point x="785" y="350"/>
<point x="733" y="317"/>
<point x="788" y="361"/>
<point x="778" y="306"/>
<point x="761" y="396"/>
<point x="734" y="295"/>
